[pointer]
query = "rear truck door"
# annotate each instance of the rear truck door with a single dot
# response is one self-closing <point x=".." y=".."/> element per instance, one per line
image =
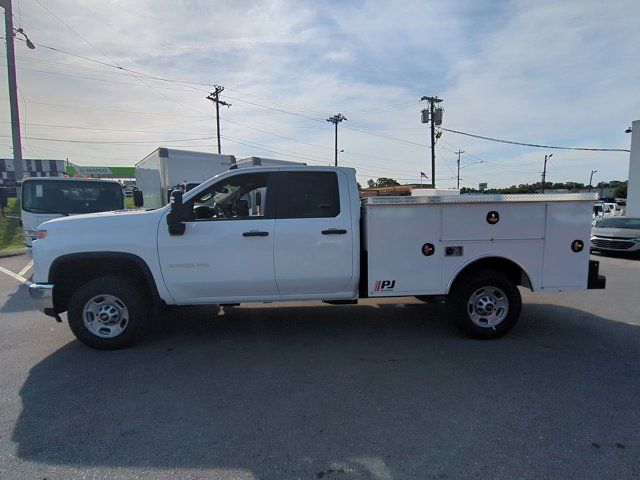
<point x="225" y="256"/>
<point x="313" y="251"/>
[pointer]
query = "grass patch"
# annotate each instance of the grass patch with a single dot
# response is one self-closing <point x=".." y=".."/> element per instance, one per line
<point x="11" y="237"/>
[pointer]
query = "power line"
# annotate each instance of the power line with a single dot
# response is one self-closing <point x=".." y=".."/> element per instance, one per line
<point x="108" y="57"/>
<point x="100" y="129"/>
<point x="584" y="149"/>
<point x="105" y="80"/>
<point x="113" y="142"/>
<point x="116" y="110"/>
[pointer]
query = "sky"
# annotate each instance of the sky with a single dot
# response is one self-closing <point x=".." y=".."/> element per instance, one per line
<point x="546" y="72"/>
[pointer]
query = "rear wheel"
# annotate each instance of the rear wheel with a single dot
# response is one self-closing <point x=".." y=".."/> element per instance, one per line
<point x="108" y="313"/>
<point x="485" y="304"/>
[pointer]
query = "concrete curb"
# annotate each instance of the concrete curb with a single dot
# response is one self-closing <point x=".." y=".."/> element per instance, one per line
<point x="12" y="253"/>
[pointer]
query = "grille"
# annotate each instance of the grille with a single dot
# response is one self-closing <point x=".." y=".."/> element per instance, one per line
<point x="612" y="244"/>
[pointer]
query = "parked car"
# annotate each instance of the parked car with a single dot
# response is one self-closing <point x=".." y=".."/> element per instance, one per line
<point x="614" y="209"/>
<point x="616" y="234"/>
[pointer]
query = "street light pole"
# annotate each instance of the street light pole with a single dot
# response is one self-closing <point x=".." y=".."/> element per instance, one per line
<point x="13" y="94"/>
<point x="544" y="171"/>
<point x="336" y="119"/>
<point x="591" y="179"/>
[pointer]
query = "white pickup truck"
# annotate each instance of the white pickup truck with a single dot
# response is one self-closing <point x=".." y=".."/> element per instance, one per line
<point x="268" y="234"/>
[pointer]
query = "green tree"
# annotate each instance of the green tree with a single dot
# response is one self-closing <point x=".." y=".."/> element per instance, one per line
<point x="382" y="182"/>
<point x="621" y="191"/>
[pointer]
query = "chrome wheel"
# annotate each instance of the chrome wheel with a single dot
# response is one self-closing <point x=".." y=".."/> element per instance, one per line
<point x="106" y="316"/>
<point x="488" y="307"/>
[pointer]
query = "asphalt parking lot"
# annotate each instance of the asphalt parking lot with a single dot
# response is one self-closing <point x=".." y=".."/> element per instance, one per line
<point x="308" y="391"/>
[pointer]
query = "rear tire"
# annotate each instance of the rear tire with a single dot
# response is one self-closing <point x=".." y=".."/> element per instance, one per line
<point x="108" y="313"/>
<point x="485" y="304"/>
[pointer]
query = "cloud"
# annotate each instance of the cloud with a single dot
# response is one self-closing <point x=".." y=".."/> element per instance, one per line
<point x="544" y="72"/>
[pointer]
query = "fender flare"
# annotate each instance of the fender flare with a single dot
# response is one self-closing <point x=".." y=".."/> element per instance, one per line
<point x="129" y="257"/>
<point x="468" y="264"/>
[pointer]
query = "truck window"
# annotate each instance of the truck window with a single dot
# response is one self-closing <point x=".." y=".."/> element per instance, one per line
<point x="240" y="197"/>
<point x="71" y="196"/>
<point x="309" y="195"/>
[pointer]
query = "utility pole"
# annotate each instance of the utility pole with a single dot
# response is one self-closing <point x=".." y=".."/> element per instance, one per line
<point x="13" y="93"/>
<point x="215" y="98"/>
<point x="544" y="171"/>
<point x="336" y="119"/>
<point x="591" y="179"/>
<point x="459" y="152"/>
<point x="432" y="105"/>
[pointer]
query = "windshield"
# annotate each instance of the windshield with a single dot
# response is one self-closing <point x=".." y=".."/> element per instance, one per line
<point x="71" y="196"/>
<point x="633" y="223"/>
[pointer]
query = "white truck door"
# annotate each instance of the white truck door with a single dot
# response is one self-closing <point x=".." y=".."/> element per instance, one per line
<point x="313" y="251"/>
<point x="226" y="251"/>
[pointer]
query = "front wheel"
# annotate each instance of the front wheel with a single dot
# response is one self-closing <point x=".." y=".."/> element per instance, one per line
<point x="485" y="304"/>
<point x="108" y="313"/>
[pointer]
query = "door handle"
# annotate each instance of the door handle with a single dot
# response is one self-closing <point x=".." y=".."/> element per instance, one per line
<point x="255" y="233"/>
<point x="334" y="231"/>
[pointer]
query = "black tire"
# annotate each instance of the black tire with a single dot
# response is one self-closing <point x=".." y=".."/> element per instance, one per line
<point x="130" y="319"/>
<point x="474" y="294"/>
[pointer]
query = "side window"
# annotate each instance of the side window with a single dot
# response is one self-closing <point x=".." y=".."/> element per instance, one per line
<point x="240" y="197"/>
<point x="310" y="195"/>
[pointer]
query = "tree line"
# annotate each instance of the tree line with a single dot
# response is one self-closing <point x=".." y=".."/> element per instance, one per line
<point x="620" y="187"/>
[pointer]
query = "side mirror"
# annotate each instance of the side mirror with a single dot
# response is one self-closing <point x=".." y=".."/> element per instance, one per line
<point x="176" y="217"/>
<point x="176" y="199"/>
<point x="138" y="199"/>
<point x="3" y="197"/>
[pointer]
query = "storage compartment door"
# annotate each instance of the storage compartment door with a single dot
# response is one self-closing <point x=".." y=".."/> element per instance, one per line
<point x="564" y="269"/>
<point x="395" y="237"/>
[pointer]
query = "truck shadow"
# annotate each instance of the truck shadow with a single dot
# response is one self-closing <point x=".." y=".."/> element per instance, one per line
<point x="19" y="301"/>
<point x="368" y="391"/>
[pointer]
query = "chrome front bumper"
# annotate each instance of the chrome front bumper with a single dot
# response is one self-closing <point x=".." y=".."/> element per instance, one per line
<point x="43" y="294"/>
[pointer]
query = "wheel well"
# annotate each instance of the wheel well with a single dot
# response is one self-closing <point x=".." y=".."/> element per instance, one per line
<point x="510" y="269"/>
<point x="72" y="271"/>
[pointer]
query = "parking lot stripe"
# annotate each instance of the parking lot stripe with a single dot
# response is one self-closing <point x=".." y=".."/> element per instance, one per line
<point x="18" y="277"/>
<point x="26" y="268"/>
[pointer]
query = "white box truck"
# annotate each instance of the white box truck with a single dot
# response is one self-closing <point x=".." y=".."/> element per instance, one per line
<point x="46" y="198"/>
<point x="165" y="169"/>
<point x="310" y="238"/>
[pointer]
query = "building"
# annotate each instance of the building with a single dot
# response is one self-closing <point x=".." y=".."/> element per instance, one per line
<point x="31" y="168"/>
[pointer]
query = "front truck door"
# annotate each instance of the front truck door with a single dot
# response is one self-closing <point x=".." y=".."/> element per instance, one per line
<point x="313" y="251"/>
<point x="226" y="250"/>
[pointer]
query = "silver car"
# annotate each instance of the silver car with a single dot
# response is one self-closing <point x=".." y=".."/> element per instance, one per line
<point x="616" y="234"/>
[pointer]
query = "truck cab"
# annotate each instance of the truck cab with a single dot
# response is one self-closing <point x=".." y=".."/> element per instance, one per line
<point x="264" y="235"/>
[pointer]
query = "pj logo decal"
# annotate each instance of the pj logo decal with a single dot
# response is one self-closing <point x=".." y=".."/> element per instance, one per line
<point x="385" y="285"/>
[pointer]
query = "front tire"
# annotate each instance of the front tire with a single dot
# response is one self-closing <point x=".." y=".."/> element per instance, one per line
<point x="486" y="304"/>
<point x="108" y="313"/>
